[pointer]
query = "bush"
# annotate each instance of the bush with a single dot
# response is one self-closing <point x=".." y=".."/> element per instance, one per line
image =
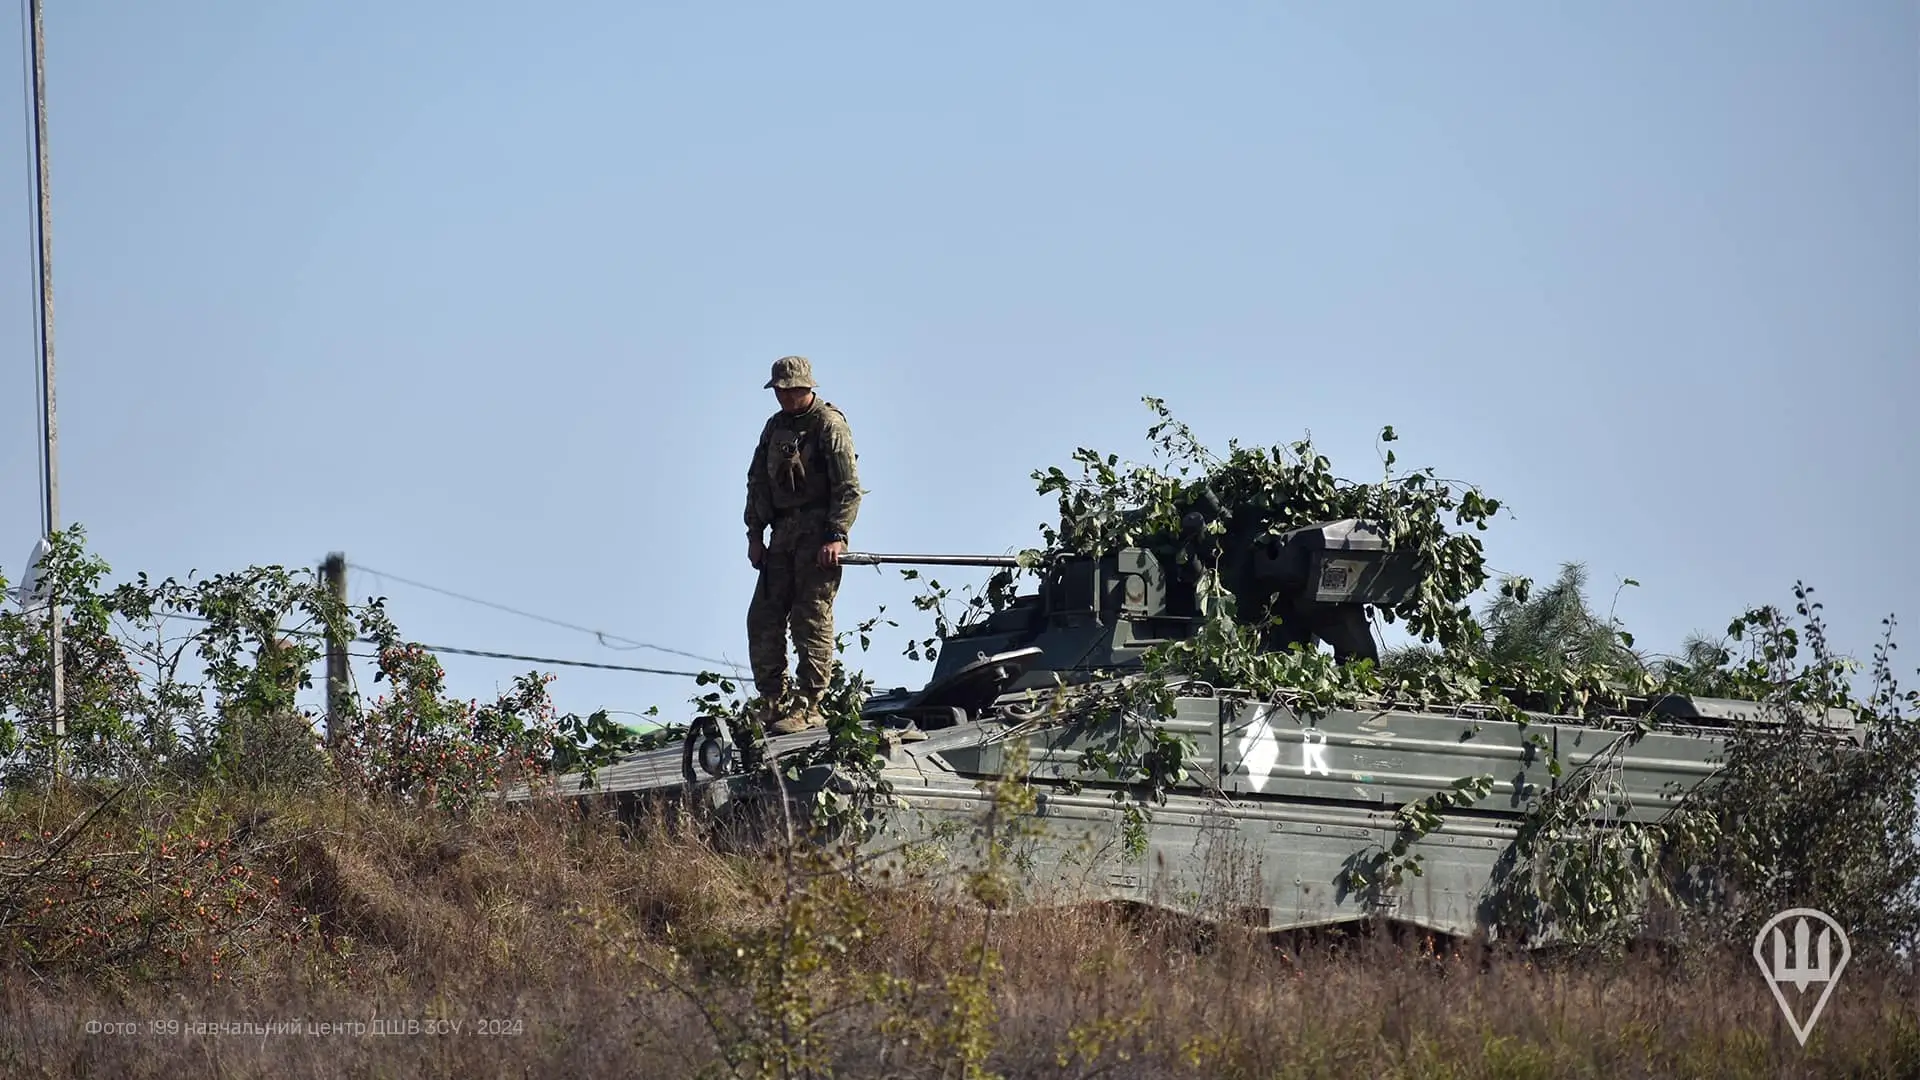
<point x="207" y="854"/>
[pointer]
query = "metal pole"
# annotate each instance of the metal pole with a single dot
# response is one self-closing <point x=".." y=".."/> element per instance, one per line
<point x="873" y="558"/>
<point x="50" y="430"/>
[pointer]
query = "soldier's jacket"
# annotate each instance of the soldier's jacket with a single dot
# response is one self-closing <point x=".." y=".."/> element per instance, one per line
<point x="804" y="466"/>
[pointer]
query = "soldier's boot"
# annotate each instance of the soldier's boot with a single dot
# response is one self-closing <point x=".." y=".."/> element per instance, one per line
<point x="766" y="710"/>
<point x="804" y="716"/>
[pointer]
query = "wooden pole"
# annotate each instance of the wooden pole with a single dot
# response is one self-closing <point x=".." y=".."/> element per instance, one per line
<point x="49" y="429"/>
<point x="334" y="570"/>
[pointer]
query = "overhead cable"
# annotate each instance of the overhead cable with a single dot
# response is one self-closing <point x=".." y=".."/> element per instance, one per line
<point x="604" y="637"/>
<point x="486" y="653"/>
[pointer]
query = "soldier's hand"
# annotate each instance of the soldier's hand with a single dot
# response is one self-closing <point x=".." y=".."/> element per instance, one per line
<point x="756" y="551"/>
<point x="830" y="553"/>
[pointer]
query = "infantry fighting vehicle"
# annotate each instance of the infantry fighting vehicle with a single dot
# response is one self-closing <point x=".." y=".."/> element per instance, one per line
<point x="1279" y="804"/>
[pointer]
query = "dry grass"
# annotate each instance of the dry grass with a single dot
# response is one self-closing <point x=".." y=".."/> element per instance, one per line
<point x="561" y="926"/>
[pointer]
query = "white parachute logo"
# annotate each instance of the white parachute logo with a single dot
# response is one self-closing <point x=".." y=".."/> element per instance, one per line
<point x="1809" y="961"/>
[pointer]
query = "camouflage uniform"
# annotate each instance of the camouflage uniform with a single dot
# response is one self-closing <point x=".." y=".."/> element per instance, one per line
<point x="804" y="483"/>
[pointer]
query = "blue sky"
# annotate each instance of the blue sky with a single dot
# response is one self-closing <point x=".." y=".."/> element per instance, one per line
<point x="484" y="297"/>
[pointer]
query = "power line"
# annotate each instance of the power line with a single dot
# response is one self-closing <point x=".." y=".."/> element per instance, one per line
<point x="551" y="660"/>
<point x="604" y="637"/>
<point x="488" y="653"/>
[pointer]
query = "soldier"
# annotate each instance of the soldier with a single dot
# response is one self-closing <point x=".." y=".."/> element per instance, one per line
<point x="802" y="482"/>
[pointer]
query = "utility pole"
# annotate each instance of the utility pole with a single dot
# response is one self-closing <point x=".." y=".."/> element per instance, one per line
<point x="49" y="430"/>
<point x="334" y="570"/>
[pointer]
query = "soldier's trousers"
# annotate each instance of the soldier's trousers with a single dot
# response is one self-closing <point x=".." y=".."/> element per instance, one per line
<point x="794" y="594"/>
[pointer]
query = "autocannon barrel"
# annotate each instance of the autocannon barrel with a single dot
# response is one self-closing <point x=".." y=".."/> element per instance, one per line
<point x="868" y="558"/>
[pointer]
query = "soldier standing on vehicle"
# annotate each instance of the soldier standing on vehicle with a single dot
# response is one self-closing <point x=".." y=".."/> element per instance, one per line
<point x="804" y="484"/>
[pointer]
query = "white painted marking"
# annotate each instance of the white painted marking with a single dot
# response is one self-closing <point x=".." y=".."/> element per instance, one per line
<point x="1313" y="752"/>
<point x="1262" y="751"/>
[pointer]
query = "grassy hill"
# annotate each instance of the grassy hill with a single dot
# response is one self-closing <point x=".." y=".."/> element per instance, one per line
<point x="551" y="940"/>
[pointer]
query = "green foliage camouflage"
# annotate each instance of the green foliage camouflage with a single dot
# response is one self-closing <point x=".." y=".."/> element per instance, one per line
<point x="1794" y="815"/>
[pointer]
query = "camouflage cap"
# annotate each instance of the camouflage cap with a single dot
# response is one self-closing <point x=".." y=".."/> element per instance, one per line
<point x="790" y="372"/>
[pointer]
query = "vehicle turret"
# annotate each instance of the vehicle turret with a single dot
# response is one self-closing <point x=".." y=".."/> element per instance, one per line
<point x="1097" y="616"/>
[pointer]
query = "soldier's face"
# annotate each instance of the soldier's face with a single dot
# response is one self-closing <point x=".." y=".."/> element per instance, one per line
<point x="793" y="399"/>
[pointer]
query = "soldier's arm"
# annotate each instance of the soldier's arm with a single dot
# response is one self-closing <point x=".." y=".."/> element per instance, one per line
<point x="759" y="497"/>
<point x="843" y="478"/>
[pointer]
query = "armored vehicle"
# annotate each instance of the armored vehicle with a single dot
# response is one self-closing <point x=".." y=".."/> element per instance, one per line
<point x="1277" y="802"/>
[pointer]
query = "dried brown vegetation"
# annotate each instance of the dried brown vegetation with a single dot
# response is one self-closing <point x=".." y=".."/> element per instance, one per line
<point x="597" y="947"/>
<point x="210" y="892"/>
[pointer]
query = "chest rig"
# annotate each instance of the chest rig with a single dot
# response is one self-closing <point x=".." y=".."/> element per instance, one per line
<point x="796" y="464"/>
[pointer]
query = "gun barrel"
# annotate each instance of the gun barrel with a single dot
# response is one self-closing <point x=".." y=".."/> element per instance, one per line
<point x="868" y="558"/>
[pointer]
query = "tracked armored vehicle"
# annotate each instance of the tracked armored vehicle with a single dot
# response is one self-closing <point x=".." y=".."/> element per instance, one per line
<point x="1279" y="803"/>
